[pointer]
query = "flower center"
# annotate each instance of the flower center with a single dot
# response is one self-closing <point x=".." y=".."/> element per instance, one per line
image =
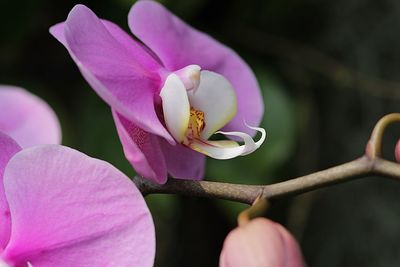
<point x="189" y="98"/>
<point x="196" y="125"/>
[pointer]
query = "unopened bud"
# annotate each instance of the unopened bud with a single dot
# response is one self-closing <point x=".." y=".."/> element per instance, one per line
<point x="260" y="243"/>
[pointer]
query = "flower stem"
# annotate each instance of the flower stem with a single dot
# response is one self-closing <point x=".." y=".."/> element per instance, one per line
<point x="361" y="167"/>
<point x="374" y="146"/>
<point x="258" y="209"/>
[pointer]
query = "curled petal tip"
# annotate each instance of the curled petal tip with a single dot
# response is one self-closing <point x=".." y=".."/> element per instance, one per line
<point x="228" y="149"/>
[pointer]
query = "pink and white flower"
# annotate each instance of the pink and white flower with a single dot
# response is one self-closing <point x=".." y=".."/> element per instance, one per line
<point x="170" y="92"/>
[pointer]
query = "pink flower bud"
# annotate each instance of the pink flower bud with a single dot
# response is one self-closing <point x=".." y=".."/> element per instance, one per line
<point x="397" y="151"/>
<point x="260" y="243"/>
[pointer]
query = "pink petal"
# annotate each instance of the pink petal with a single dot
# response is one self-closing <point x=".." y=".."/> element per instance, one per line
<point x="27" y="118"/>
<point x="397" y="151"/>
<point x="293" y="253"/>
<point x="182" y="162"/>
<point x="68" y="209"/>
<point x="8" y="147"/>
<point x="142" y="150"/>
<point x="119" y="69"/>
<point x="260" y="243"/>
<point x="179" y="45"/>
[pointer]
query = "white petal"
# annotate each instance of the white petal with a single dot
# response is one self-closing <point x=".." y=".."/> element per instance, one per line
<point x="176" y="107"/>
<point x="216" y="98"/>
<point x="228" y="149"/>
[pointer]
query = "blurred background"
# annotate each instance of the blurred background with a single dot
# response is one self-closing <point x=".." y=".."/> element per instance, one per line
<point x="328" y="70"/>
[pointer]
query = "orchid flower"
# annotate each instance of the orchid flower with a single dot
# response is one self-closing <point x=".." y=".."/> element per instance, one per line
<point x="397" y="151"/>
<point x="170" y="92"/>
<point x="27" y="118"/>
<point x="260" y="243"/>
<point x="59" y="207"/>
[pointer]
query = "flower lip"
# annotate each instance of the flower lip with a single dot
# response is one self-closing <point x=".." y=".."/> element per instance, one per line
<point x="228" y="149"/>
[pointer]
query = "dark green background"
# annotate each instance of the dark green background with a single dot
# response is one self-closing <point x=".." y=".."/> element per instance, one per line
<point x="328" y="70"/>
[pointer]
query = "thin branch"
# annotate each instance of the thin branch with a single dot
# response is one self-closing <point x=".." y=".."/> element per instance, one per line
<point x="236" y="192"/>
<point x="358" y="168"/>
<point x="374" y="145"/>
<point x="361" y="167"/>
<point x="386" y="168"/>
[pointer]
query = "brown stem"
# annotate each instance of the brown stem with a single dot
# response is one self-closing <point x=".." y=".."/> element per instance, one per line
<point x="374" y="146"/>
<point x="259" y="207"/>
<point x="361" y="167"/>
<point x="352" y="170"/>
<point x="235" y="192"/>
